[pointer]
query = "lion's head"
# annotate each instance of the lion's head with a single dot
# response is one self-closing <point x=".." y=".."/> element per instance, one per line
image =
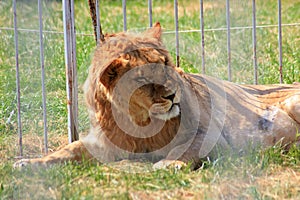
<point x="135" y="74"/>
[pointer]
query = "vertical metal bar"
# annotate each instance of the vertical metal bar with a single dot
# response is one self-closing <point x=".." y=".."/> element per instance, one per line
<point x="75" y="135"/>
<point x="71" y="69"/>
<point x="254" y="41"/>
<point x="280" y="40"/>
<point x="150" y="12"/>
<point x="43" y="75"/>
<point x="98" y="22"/>
<point x="124" y="15"/>
<point x="176" y="31"/>
<point x="75" y="82"/>
<point x="18" y="78"/>
<point x="202" y="36"/>
<point x="228" y="38"/>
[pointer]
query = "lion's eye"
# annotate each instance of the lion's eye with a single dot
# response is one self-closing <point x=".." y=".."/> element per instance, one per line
<point x="112" y="74"/>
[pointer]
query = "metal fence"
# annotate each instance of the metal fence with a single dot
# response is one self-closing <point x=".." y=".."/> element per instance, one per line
<point x="201" y="30"/>
<point x="70" y="55"/>
<point x="71" y="72"/>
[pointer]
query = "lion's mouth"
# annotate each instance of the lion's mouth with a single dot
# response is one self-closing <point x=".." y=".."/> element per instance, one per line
<point x="172" y="107"/>
<point x="174" y="111"/>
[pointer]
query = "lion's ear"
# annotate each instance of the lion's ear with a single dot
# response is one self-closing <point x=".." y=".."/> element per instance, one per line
<point x="111" y="73"/>
<point x="155" y="31"/>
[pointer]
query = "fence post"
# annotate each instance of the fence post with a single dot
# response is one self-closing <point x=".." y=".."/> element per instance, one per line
<point x="43" y="75"/>
<point x="150" y="12"/>
<point x="71" y="69"/>
<point x="254" y="41"/>
<point x="176" y="31"/>
<point x="280" y="41"/>
<point x="124" y="15"/>
<point x="228" y="38"/>
<point x="202" y="36"/>
<point x="98" y="26"/>
<point x="18" y="78"/>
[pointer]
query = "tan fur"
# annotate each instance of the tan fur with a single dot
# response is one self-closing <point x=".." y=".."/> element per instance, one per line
<point x="225" y="114"/>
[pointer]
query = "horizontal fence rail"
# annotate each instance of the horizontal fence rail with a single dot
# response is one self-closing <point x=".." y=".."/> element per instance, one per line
<point x="165" y="32"/>
<point x="70" y="52"/>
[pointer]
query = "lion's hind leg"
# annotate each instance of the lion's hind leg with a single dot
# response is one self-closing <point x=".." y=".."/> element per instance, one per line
<point x="292" y="107"/>
<point x="281" y="125"/>
<point x="75" y="151"/>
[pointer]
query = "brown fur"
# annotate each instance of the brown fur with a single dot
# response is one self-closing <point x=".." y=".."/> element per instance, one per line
<point x="212" y="112"/>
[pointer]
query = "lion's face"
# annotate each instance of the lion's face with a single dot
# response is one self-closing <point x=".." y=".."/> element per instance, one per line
<point x="150" y="89"/>
<point x="152" y="99"/>
<point x="155" y="100"/>
<point x="141" y="81"/>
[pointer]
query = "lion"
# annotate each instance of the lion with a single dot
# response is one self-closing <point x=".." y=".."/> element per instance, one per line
<point x="143" y="107"/>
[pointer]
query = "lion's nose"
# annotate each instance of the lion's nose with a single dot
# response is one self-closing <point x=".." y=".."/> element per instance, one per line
<point x="170" y="97"/>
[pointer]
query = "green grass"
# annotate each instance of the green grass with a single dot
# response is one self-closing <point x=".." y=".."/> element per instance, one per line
<point x="269" y="174"/>
<point x="91" y="180"/>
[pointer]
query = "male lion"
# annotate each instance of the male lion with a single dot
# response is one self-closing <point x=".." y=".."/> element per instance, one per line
<point x="141" y="106"/>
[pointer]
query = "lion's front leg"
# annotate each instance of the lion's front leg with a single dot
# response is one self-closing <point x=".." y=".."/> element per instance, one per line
<point x="75" y="151"/>
<point x="182" y="155"/>
<point x="193" y="152"/>
<point x="176" y="161"/>
<point x="166" y="164"/>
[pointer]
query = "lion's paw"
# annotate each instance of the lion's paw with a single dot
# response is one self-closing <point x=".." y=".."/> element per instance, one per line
<point x="169" y="164"/>
<point x="21" y="163"/>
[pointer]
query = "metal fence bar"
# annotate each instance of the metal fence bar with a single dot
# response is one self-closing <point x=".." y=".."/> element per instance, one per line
<point x="71" y="69"/>
<point x="280" y="41"/>
<point x="98" y="22"/>
<point x="254" y="41"/>
<point x="228" y="38"/>
<point x="150" y="12"/>
<point x="124" y="15"/>
<point x="75" y="134"/>
<point x="43" y="75"/>
<point x="18" y="78"/>
<point x="176" y="31"/>
<point x="202" y="36"/>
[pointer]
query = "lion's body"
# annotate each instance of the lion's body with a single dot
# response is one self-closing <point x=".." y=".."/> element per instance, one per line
<point x="257" y="113"/>
<point x="192" y="113"/>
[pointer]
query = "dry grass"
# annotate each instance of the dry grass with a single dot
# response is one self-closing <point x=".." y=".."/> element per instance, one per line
<point x="235" y="178"/>
<point x="277" y="183"/>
